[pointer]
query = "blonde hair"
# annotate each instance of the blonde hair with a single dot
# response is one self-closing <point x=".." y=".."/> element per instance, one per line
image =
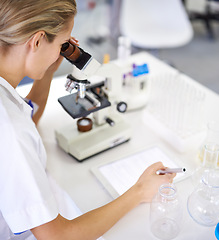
<point x="21" y="19"/>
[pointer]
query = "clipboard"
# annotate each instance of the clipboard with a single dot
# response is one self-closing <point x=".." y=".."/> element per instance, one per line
<point x="117" y="176"/>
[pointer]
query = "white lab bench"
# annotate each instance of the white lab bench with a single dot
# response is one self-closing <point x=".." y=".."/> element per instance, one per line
<point x="88" y="193"/>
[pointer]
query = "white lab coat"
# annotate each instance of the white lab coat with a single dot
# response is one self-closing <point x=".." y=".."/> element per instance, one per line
<point x="29" y="197"/>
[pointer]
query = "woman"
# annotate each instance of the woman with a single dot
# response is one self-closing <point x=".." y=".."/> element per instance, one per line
<point x="31" y="35"/>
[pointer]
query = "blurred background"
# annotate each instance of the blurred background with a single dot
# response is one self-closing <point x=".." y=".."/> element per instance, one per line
<point x="98" y="25"/>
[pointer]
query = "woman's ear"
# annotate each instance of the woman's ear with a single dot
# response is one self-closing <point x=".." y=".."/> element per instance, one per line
<point x="36" y="40"/>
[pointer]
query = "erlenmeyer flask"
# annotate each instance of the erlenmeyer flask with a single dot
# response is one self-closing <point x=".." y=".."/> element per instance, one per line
<point x="203" y="203"/>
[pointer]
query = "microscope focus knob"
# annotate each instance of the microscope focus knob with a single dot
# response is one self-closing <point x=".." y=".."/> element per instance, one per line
<point x="122" y="107"/>
<point x="110" y="121"/>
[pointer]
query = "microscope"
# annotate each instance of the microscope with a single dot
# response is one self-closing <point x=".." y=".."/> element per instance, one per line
<point x="100" y="124"/>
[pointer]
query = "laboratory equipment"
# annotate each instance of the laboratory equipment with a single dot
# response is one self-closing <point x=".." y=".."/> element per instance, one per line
<point x="166" y="213"/>
<point x="210" y="161"/>
<point x="176" y="110"/>
<point x="212" y="136"/>
<point x="203" y="203"/>
<point x="103" y="92"/>
<point x="135" y="83"/>
<point x="83" y="65"/>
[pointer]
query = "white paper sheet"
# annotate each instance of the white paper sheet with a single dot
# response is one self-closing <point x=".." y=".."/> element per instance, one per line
<point x="123" y="173"/>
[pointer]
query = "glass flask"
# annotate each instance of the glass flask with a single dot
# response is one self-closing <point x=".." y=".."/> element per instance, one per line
<point x="203" y="203"/>
<point x="211" y="137"/>
<point x="210" y="161"/>
<point x="166" y="213"/>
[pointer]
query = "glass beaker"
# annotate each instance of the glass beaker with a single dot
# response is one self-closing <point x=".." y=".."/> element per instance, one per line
<point x="166" y="213"/>
<point x="211" y="137"/>
<point x="203" y="203"/>
<point x="210" y="161"/>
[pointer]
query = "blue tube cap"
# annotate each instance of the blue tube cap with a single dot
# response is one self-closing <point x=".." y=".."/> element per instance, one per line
<point x="217" y="231"/>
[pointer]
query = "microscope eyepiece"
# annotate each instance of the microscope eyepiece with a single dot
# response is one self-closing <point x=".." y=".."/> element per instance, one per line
<point x="70" y="51"/>
<point x="65" y="46"/>
<point x="75" y="55"/>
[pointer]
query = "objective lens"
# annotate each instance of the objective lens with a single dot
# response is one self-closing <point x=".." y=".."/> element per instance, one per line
<point x="81" y="90"/>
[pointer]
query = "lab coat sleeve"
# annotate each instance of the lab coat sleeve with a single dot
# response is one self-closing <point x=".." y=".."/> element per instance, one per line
<point x="26" y="198"/>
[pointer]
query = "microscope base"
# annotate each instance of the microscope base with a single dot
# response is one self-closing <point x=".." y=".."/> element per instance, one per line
<point x="82" y="145"/>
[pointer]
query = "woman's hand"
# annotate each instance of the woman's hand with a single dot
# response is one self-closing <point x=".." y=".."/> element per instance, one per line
<point x="92" y="222"/>
<point x="74" y="41"/>
<point x="149" y="182"/>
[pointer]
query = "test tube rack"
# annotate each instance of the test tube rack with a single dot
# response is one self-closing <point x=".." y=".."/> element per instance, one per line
<point x="176" y="110"/>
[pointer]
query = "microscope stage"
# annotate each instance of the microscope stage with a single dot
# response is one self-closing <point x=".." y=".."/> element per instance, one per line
<point x="77" y="108"/>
